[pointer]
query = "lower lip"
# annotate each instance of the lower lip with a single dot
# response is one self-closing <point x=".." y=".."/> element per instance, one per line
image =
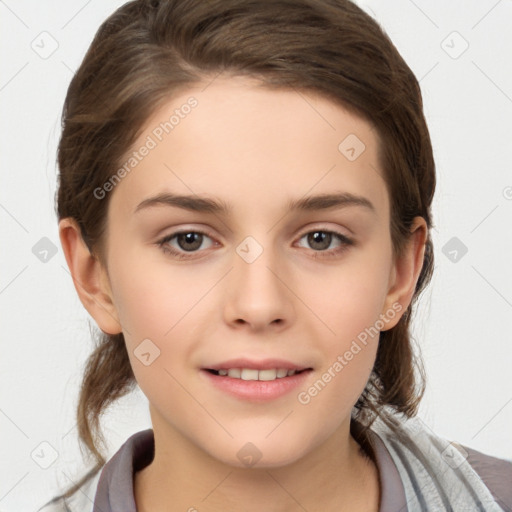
<point x="257" y="390"/>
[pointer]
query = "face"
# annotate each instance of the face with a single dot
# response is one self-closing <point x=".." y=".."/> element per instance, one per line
<point x="276" y="281"/>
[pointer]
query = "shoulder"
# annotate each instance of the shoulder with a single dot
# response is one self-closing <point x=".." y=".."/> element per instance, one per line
<point x="437" y="472"/>
<point x="496" y="474"/>
<point x="82" y="500"/>
<point x="111" y="485"/>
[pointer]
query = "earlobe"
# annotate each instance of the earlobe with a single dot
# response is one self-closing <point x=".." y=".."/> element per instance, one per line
<point x="89" y="277"/>
<point x="406" y="271"/>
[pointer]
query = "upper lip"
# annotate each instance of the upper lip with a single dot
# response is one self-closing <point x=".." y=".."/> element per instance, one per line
<point x="264" y="364"/>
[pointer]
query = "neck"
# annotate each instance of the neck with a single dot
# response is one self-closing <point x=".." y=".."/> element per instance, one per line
<point x="335" y="476"/>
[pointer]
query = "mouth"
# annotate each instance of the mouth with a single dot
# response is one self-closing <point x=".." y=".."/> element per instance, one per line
<point x="267" y="374"/>
<point x="256" y="384"/>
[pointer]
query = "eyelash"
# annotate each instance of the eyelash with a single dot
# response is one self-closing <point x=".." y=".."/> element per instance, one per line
<point x="345" y="241"/>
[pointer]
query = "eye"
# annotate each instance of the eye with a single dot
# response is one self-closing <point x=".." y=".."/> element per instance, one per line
<point x="180" y="243"/>
<point x="187" y="242"/>
<point x="320" y="240"/>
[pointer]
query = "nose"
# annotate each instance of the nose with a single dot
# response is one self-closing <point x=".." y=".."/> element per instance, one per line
<point x="258" y="290"/>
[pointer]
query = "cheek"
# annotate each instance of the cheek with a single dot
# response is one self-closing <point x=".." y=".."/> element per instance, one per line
<point x="350" y="308"/>
<point x="158" y="308"/>
<point x="153" y="300"/>
<point x="351" y="296"/>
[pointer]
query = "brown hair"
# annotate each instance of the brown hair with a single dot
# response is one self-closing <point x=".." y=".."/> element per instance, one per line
<point x="148" y="50"/>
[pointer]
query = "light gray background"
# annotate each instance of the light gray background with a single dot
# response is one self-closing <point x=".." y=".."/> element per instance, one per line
<point x="463" y="328"/>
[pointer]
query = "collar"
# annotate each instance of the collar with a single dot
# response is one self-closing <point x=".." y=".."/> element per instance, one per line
<point x="115" y="486"/>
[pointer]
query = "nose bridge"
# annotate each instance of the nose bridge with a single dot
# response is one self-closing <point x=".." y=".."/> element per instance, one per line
<point x="256" y="293"/>
<point x="254" y="264"/>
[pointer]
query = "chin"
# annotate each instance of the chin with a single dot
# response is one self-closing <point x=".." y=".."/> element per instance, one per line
<point x="260" y="454"/>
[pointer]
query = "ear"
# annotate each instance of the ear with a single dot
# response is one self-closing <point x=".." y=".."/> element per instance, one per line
<point x="405" y="272"/>
<point x="89" y="277"/>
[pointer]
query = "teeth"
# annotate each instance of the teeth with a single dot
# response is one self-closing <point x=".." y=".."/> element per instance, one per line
<point x="253" y="374"/>
<point x="248" y="374"/>
<point x="267" y="375"/>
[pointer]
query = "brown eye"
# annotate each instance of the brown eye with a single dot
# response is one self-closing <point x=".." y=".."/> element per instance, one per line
<point x="182" y="242"/>
<point x="189" y="241"/>
<point x="320" y="240"/>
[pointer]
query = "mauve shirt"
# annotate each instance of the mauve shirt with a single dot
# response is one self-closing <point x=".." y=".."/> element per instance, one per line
<point x="115" y="486"/>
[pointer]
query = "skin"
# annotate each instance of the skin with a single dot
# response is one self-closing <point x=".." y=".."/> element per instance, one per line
<point x="255" y="149"/>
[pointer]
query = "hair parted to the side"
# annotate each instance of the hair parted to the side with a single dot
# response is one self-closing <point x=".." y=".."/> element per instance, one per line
<point x="149" y="50"/>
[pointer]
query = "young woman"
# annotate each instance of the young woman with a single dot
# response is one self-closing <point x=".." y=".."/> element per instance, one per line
<point x="244" y="201"/>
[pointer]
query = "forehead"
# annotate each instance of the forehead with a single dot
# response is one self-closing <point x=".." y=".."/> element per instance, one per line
<point x="251" y="146"/>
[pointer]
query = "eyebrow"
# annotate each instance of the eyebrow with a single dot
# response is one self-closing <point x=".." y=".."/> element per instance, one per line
<point x="206" y="205"/>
